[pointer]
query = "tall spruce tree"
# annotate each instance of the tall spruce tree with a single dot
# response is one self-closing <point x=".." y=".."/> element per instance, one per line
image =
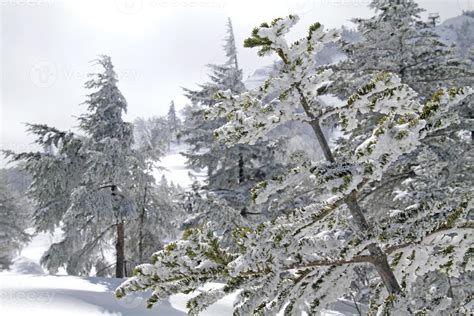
<point x="305" y="260"/>
<point x="152" y="137"/>
<point x="227" y="76"/>
<point x="158" y="215"/>
<point x="230" y="170"/>
<point x="157" y="206"/>
<point x="173" y="119"/>
<point x="395" y="39"/>
<point x="174" y="124"/>
<point x="82" y="182"/>
<point x="109" y="150"/>
<point x="205" y="151"/>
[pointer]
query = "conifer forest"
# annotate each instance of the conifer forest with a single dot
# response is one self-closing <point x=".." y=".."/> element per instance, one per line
<point x="306" y="157"/>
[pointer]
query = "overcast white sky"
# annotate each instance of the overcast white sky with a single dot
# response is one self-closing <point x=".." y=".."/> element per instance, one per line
<point x="157" y="46"/>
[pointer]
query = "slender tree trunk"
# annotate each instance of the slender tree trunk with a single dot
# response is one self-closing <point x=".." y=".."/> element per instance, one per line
<point x="120" y="241"/>
<point x="241" y="168"/>
<point x="379" y="258"/>
<point x="120" y="254"/>
<point x="142" y="221"/>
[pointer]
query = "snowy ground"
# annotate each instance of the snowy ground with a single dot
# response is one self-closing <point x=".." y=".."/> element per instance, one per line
<point x="53" y="295"/>
<point x="27" y="290"/>
<point x="67" y="295"/>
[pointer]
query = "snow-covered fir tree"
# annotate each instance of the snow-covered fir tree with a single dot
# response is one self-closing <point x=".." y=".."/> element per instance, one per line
<point x="307" y="259"/>
<point x="205" y="151"/>
<point x="156" y="203"/>
<point x="82" y="182"/>
<point x="158" y="213"/>
<point x="223" y="77"/>
<point x="152" y="137"/>
<point x="231" y="171"/>
<point x="110" y="153"/>
<point x="173" y="120"/>
<point x="396" y="40"/>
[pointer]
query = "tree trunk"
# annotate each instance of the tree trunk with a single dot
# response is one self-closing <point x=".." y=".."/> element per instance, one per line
<point x="241" y="168"/>
<point x="142" y="221"/>
<point x="120" y="254"/>
<point x="120" y="241"/>
<point x="379" y="258"/>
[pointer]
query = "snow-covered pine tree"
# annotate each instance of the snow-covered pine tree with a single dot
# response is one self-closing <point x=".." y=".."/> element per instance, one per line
<point x="223" y="77"/>
<point x="205" y="151"/>
<point x="110" y="152"/>
<point x="54" y="174"/>
<point x="233" y="168"/>
<point x="14" y="220"/>
<point x="157" y="209"/>
<point x="152" y="136"/>
<point x="396" y="40"/>
<point x="173" y="120"/>
<point x="307" y="259"/>
<point x="82" y="182"/>
<point x="158" y="215"/>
